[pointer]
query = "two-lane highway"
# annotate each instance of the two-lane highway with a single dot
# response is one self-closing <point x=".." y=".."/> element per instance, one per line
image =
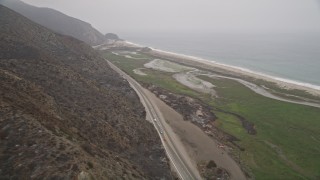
<point x="180" y="160"/>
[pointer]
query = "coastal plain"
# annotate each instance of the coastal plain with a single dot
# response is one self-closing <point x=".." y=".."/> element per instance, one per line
<point x="268" y="138"/>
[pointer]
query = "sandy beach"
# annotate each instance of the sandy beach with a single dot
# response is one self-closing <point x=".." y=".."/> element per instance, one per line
<point x="211" y="65"/>
<point x="232" y="70"/>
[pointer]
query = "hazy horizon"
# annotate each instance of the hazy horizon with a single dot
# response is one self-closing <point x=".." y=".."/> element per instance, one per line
<point x="202" y="16"/>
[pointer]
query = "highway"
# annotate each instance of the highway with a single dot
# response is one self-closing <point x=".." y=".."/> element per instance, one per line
<point x="180" y="160"/>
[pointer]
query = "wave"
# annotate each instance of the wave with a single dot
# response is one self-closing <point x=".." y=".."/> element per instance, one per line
<point x="289" y="81"/>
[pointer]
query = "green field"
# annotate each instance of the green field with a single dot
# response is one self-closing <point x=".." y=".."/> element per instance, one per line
<point x="287" y="143"/>
<point x="162" y="79"/>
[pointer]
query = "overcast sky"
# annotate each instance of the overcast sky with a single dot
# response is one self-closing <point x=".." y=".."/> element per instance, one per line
<point x="123" y="16"/>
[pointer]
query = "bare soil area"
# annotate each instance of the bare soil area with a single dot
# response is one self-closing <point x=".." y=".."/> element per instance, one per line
<point x="200" y="147"/>
<point x="194" y="83"/>
<point x="166" y="66"/>
<point x="139" y="72"/>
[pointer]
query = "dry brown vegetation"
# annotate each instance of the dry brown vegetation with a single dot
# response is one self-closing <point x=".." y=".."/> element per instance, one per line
<point x="210" y="171"/>
<point x="65" y="114"/>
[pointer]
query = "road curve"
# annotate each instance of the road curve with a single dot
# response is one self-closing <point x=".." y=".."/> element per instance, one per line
<point x="181" y="162"/>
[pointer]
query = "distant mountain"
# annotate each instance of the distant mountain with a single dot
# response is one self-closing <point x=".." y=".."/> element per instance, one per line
<point x="57" y="21"/>
<point x="65" y="114"/>
<point x="112" y="36"/>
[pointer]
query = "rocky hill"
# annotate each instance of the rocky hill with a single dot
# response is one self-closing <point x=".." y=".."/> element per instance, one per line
<point x="64" y="114"/>
<point x="57" y="21"/>
<point x="112" y="36"/>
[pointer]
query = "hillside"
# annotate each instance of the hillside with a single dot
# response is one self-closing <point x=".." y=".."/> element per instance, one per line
<point x="57" y="21"/>
<point x="64" y="114"/>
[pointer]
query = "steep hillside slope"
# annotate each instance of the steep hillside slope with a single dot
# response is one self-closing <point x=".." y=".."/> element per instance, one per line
<point x="57" y="21"/>
<point x="64" y="114"/>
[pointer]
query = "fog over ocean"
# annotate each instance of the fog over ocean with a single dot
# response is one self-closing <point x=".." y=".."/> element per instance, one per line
<point x="294" y="57"/>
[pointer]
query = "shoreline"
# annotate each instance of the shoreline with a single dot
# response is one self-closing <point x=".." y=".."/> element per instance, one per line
<point x="230" y="118"/>
<point x="281" y="82"/>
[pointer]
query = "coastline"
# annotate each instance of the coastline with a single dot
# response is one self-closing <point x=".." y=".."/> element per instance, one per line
<point x="237" y="103"/>
<point x="238" y="71"/>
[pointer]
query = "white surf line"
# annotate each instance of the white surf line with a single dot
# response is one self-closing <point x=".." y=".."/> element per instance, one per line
<point x="257" y="89"/>
<point x="246" y="71"/>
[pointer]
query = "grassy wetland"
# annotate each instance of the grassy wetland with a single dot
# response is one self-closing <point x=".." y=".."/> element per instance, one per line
<point x="286" y="142"/>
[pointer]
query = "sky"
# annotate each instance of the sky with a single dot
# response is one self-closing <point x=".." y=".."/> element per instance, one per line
<point x="234" y="16"/>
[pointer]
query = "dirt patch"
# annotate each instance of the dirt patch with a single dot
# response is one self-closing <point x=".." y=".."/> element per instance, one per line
<point x="191" y="81"/>
<point x="139" y="72"/>
<point x="166" y="66"/>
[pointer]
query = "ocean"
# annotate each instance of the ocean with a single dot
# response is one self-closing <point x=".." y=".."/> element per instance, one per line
<point x="293" y="58"/>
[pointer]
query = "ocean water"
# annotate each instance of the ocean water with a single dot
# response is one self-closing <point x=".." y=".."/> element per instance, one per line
<point x="289" y="57"/>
